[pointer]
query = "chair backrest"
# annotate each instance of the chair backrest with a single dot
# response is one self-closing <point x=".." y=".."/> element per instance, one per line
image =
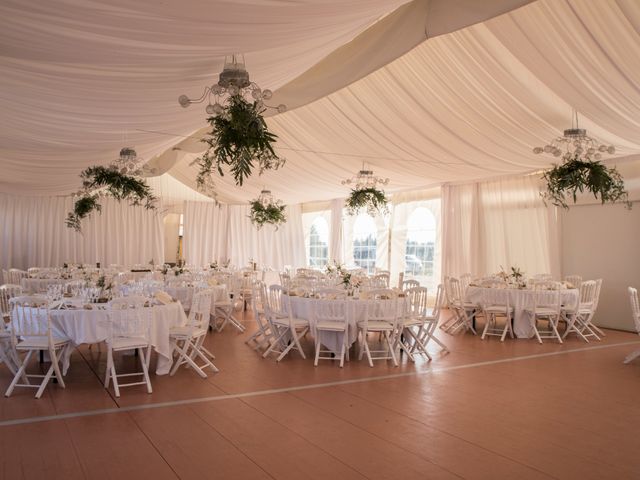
<point x="274" y="304"/>
<point x="588" y="292"/>
<point x="129" y="320"/>
<point x="409" y="284"/>
<point x="598" y="290"/>
<point x="30" y="317"/>
<point x="465" y="280"/>
<point x="635" y="307"/>
<point x="417" y="302"/>
<point x="16" y="275"/>
<point x="492" y="297"/>
<point x="330" y="311"/>
<point x="258" y="299"/>
<point x="385" y="310"/>
<point x="574" y="280"/>
<point x="548" y="299"/>
<point x="7" y="292"/>
<point x="200" y="309"/>
<point x="380" y="280"/>
<point x="5" y="276"/>
<point x="454" y="291"/>
<point x="441" y="301"/>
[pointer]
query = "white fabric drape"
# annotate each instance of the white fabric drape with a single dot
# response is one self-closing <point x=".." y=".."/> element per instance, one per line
<point x="336" y="233"/>
<point x="34" y="233"/>
<point x="206" y="230"/>
<point x="500" y="223"/>
<point x="268" y="247"/>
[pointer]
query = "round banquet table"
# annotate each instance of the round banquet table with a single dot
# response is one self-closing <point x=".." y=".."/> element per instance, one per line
<point x="91" y="326"/>
<point x="302" y="307"/>
<point x="36" y="285"/>
<point x="184" y="294"/>
<point x="520" y="300"/>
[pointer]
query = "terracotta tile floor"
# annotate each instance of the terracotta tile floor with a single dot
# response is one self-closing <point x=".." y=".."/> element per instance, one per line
<point x="486" y="410"/>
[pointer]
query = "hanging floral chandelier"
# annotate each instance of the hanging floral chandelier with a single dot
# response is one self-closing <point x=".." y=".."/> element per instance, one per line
<point x="576" y="144"/>
<point x="265" y="209"/>
<point x="367" y="193"/>
<point x="233" y="80"/>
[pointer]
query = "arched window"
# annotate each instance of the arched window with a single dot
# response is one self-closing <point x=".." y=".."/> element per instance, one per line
<point x="421" y="243"/>
<point x="319" y="242"/>
<point x="364" y="242"/>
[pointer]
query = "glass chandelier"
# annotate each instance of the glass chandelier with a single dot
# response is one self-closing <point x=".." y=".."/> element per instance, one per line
<point x="365" y="179"/>
<point x="233" y="80"/>
<point x="575" y="143"/>
<point x="266" y="198"/>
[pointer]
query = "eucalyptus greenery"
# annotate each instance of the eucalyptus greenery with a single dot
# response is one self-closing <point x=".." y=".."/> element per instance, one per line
<point x="566" y="180"/>
<point x="116" y="184"/>
<point x="370" y="199"/>
<point x="240" y="140"/>
<point x="272" y="213"/>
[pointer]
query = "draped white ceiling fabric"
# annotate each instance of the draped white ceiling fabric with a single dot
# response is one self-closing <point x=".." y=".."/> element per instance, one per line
<point x="82" y="79"/>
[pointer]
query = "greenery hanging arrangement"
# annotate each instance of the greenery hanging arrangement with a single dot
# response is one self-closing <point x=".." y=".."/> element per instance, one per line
<point x="575" y="175"/>
<point x="265" y="210"/>
<point x="240" y="140"/>
<point x="119" y="185"/>
<point x="370" y="199"/>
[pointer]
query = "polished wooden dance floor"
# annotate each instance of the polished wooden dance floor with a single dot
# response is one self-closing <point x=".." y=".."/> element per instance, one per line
<point x="515" y="410"/>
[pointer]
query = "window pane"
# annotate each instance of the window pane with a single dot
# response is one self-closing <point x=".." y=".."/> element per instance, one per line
<point x="319" y="242"/>
<point x="421" y="240"/>
<point x="364" y="242"/>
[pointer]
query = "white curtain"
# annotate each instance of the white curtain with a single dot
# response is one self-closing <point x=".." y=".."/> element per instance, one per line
<point x="501" y="223"/>
<point x="336" y="231"/>
<point x="34" y="233"/>
<point x="268" y="247"/>
<point x="206" y="231"/>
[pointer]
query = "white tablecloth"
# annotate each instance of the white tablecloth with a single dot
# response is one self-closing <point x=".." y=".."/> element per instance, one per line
<point x="90" y="326"/>
<point x="36" y="285"/>
<point x="356" y="310"/>
<point x="520" y="299"/>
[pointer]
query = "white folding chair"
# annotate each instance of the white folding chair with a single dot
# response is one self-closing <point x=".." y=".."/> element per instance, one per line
<point x="31" y="332"/>
<point x="16" y="275"/>
<point x="431" y="319"/>
<point x="225" y="308"/>
<point x="7" y="292"/>
<point x="635" y="312"/>
<point x="380" y="280"/>
<point x="464" y="312"/>
<point x="188" y="339"/>
<point x="332" y="318"/>
<point x="413" y="321"/>
<point x="578" y="316"/>
<point x="495" y="304"/>
<point x="284" y="325"/>
<point x="263" y="336"/>
<point x="381" y="317"/>
<point x="546" y="306"/>
<point x="129" y="326"/>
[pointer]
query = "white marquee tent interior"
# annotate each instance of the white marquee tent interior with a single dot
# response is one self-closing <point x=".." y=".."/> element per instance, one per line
<point x="446" y="99"/>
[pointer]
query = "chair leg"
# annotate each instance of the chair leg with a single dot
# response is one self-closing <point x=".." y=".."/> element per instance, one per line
<point x="145" y="369"/>
<point x="45" y="381"/>
<point x="631" y="357"/>
<point x="114" y="377"/>
<point x="56" y="367"/>
<point x="20" y="373"/>
<point x="315" y="362"/>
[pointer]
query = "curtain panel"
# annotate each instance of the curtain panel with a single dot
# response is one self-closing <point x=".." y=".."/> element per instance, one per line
<point x="34" y="233"/>
<point x="501" y="223"/>
<point x="206" y="229"/>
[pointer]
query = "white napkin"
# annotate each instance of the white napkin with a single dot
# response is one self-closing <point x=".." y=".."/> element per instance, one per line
<point x="163" y="297"/>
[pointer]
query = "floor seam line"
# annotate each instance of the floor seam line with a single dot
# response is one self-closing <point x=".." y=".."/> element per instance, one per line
<point x="306" y="387"/>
